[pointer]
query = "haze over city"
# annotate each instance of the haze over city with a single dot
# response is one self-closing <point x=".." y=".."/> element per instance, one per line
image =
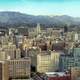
<point x="39" y="39"/>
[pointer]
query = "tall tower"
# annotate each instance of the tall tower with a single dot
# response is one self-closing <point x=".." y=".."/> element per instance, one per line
<point x="38" y="28"/>
<point x="76" y="36"/>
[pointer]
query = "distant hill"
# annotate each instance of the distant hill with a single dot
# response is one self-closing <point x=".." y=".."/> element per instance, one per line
<point x="16" y="18"/>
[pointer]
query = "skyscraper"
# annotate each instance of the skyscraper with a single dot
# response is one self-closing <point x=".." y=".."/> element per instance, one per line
<point x="38" y="28"/>
<point x="4" y="70"/>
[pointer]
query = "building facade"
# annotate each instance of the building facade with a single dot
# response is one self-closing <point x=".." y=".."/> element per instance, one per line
<point x="48" y="61"/>
<point x="19" y="68"/>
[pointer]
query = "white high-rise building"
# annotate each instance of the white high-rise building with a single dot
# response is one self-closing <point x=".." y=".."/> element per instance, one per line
<point x="76" y="36"/>
<point x="38" y="28"/>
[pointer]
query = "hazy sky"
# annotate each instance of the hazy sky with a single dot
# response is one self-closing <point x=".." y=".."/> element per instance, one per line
<point x="42" y="7"/>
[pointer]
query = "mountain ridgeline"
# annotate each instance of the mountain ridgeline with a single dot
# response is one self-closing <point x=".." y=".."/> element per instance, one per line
<point x="16" y="19"/>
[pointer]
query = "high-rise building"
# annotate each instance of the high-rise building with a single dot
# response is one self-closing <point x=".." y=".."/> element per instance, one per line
<point x="76" y="36"/>
<point x="4" y="70"/>
<point x="3" y="55"/>
<point x="48" y="61"/>
<point x="38" y="28"/>
<point x="66" y="62"/>
<point x="32" y="53"/>
<point x="17" y="54"/>
<point x="11" y="51"/>
<point x="23" y="31"/>
<point x="75" y="73"/>
<point x="4" y="39"/>
<point x="19" y="68"/>
<point x="71" y="60"/>
<point x="19" y="40"/>
<point x="76" y="52"/>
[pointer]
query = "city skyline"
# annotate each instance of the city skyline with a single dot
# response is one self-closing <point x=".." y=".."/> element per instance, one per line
<point x="42" y="7"/>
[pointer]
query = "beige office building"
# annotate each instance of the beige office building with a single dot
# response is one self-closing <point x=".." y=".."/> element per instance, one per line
<point x="75" y="73"/>
<point x="48" y="61"/>
<point x="9" y="52"/>
<point x="3" y="55"/>
<point x="19" y="68"/>
<point x="4" y="70"/>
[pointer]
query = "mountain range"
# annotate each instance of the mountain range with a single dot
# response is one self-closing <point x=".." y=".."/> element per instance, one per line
<point x="17" y="19"/>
